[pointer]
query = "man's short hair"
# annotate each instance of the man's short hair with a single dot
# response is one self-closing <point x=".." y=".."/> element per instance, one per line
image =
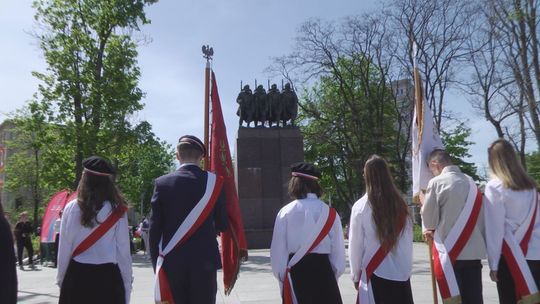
<point x="190" y="147"/>
<point x="188" y="151"/>
<point x="440" y="156"/>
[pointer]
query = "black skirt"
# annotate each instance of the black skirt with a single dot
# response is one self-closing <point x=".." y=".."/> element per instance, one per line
<point x="390" y="292"/>
<point x="314" y="281"/>
<point x="505" y="284"/>
<point x="92" y="283"/>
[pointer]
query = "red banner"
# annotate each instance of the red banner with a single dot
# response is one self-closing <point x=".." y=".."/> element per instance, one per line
<point x="233" y="241"/>
<point x="57" y="203"/>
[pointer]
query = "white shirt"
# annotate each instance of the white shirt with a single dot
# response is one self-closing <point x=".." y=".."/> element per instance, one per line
<point x="294" y="222"/>
<point x="57" y="225"/>
<point x="363" y="242"/>
<point x="507" y="208"/>
<point x="112" y="247"/>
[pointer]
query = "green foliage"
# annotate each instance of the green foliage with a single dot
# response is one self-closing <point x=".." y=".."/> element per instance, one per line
<point x="85" y="103"/>
<point x="140" y="162"/>
<point x="417" y="233"/>
<point x="344" y="121"/>
<point x="533" y="165"/>
<point x="456" y="144"/>
<point x="32" y="170"/>
<point x="91" y="84"/>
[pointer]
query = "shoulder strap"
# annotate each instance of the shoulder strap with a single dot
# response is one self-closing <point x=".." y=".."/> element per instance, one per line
<point x="531" y="219"/>
<point x="462" y="230"/>
<point x="197" y="216"/>
<point x="324" y="225"/>
<point x="100" y="230"/>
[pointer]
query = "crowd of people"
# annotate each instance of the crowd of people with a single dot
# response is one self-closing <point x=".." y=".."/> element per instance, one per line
<point x="462" y="225"/>
<point x="307" y="252"/>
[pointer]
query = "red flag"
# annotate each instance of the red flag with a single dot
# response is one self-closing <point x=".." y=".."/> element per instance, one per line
<point x="233" y="241"/>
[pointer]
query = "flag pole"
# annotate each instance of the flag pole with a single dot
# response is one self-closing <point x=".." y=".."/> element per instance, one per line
<point x="419" y="102"/>
<point x="433" y="285"/>
<point x="208" y="52"/>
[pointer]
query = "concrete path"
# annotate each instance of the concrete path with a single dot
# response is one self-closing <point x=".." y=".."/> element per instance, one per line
<point x="255" y="285"/>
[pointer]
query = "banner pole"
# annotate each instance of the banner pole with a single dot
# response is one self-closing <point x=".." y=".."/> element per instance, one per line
<point x="208" y="53"/>
<point x="433" y="284"/>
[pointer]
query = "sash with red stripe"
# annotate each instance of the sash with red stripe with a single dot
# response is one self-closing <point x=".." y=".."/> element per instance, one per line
<point x="515" y="251"/>
<point x="100" y="230"/>
<point x="197" y="216"/>
<point x="446" y="253"/>
<point x="322" y="228"/>
<point x="365" y="293"/>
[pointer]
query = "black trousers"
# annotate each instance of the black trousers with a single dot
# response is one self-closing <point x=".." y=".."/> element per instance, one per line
<point x="505" y="285"/>
<point x="22" y="243"/>
<point x="391" y="292"/>
<point x="469" y="279"/>
<point x="55" y="254"/>
<point x="314" y="281"/>
<point x="193" y="285"/>
<point x="91" y="283"/>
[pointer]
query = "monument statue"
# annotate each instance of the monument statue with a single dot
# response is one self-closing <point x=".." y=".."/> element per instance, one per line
<point x="275" y="107"/>
<point x="246" y="106"/>
<point x="261" y="105"/>
<point x="290" y="104"/>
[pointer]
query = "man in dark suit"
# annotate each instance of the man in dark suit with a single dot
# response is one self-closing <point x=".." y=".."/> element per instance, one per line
<point x="190" y="267"/>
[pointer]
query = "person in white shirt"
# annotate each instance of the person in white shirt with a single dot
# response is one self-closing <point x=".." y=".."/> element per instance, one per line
<point x="512" y="201"/>
<point x="57" y="223"/>
<point x="314" y="276"/>
<point x="144" y="227"/>
<point x="102" y="272"/>
<point x="380" y="227"/>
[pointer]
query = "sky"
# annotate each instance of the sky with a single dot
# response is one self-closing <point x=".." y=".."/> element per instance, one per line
<point x="245" y="36"/>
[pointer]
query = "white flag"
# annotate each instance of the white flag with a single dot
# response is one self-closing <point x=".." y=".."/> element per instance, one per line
<point x="425" y="139"/>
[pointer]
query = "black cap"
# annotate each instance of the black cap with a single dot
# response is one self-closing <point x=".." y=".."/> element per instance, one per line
<point x="194" y="141"/>
<point x="305" y="170"/>
<point x="97" y="166"/>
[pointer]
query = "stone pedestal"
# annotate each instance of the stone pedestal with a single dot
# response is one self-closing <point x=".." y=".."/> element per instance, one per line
<point x="262" y="164"/>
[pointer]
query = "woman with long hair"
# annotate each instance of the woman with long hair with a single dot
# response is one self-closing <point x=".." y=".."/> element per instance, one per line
<point x="307" y="252"/>
<point x="512" y="226"/>
<point x="94" y="259"/>
<point x="8" y="275"/>
<point x="380" y="239"/>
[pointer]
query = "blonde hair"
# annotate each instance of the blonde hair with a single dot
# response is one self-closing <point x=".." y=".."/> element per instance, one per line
<point x="505" y="165"/>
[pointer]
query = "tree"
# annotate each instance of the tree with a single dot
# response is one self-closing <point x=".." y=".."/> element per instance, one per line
<point x="86" y="101"/>
<point x="348" y="110"/>
<point x="515" y="26"/>
<point x="456" y="144"/>
<point x="33" y="167"/>
<point x="140" y="162"/>
<point x="340" y="142"/>
<point x="439" y="29"/>
<point x="533" y="165"/>
<point x="92" y="75"/>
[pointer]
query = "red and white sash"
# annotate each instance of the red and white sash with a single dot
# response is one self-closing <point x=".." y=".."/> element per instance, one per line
<point x="365" y="292"/>
<point x="100" y="230"/>
<point x="322" y="228"/>
<point x="514" y="249"/>
<point x="197" y="216"/>
<point x="445" y="253"/>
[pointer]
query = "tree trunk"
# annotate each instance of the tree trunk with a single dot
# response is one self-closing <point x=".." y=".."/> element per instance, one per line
<point x="526" y="73"/>
<point x="79" y="140"/>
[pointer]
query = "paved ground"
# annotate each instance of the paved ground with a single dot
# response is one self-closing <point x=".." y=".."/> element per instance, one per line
<point x="255" y="285"/>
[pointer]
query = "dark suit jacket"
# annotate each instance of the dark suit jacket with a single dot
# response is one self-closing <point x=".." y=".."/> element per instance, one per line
<point x="175" y="195"/>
